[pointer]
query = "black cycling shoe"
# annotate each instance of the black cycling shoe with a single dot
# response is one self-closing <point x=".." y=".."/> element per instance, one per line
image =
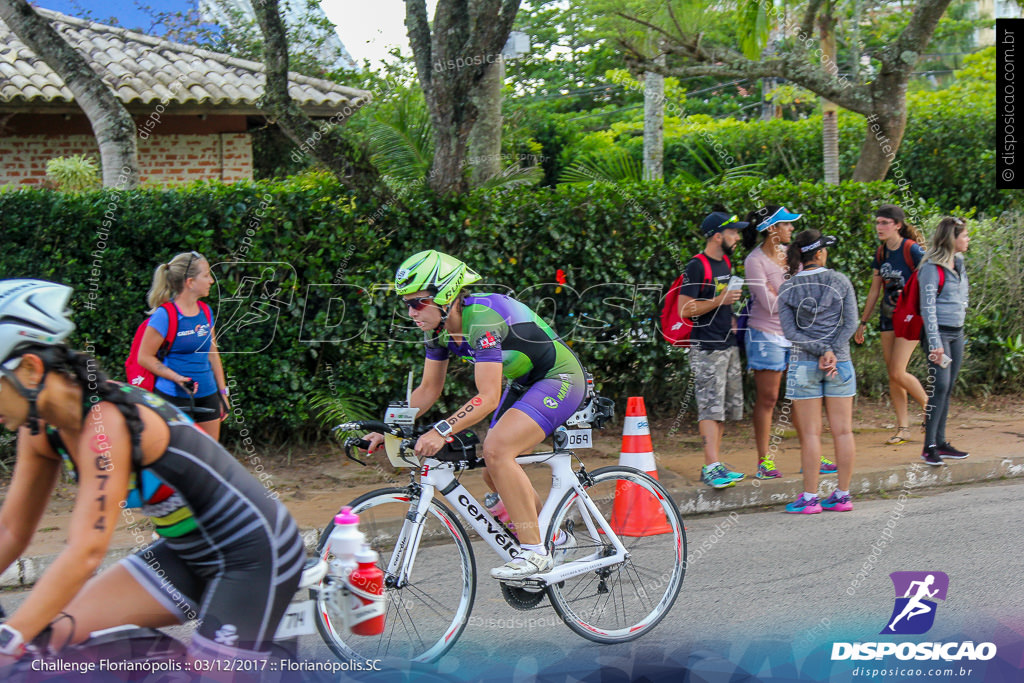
<point x="946" y="450"/>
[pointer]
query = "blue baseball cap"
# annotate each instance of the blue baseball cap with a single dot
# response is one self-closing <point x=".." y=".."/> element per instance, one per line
<point x="781" y="215"/>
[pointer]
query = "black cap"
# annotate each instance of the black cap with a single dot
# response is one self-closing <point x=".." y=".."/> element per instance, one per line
<point x="719" y="221"/>
<point x="821" y="243"/>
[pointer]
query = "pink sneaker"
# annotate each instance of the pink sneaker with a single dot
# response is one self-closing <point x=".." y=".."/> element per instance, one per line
<point x="801" y="506"/>
<point x="837" y="504"/>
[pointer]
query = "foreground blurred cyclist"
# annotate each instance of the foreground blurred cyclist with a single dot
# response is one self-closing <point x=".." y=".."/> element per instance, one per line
<point x="228" y="553"/>
<point x="500" y="336"/>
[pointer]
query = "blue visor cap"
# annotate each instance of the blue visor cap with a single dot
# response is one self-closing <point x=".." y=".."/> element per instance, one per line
<point x="780" y="216"/>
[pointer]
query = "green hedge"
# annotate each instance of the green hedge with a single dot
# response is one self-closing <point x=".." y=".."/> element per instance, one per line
<point x="296" y="306"/>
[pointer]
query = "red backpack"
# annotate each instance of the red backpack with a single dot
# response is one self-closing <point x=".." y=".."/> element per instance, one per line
<point x="675" y="329"/>
<point x="140" y="376"/>
<point x="906" y="318"/>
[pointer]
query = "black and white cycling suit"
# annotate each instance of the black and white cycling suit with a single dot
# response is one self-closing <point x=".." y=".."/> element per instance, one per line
<point x="229" y="554"/>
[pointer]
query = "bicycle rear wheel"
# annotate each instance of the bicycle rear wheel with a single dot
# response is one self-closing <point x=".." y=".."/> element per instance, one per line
<point x="624" y="601"/>
<point x="425" y="617"/>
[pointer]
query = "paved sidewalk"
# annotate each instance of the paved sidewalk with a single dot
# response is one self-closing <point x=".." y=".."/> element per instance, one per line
<point x="876" y="473"/>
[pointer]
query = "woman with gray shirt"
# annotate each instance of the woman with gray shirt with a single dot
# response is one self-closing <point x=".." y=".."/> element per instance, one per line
<point x="943" y="309"/>
<point x="818" y="312"/>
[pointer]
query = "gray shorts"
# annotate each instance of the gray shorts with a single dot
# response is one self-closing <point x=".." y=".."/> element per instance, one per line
<point x="718" y="384"/>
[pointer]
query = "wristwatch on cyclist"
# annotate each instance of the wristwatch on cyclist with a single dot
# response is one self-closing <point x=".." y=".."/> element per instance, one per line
<point x="444" y="429"/>
<point x="11" y="642"/>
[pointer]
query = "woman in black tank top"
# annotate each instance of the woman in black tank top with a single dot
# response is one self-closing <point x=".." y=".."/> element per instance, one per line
<point x="215" y="521"/>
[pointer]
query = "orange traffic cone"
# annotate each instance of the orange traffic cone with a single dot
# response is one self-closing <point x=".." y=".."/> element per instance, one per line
<point x="636" y="512"/>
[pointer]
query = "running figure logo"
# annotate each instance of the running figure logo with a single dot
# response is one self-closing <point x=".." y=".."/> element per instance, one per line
<point x="914" y="611"/>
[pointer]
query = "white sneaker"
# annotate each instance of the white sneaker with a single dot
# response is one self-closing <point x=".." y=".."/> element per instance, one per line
<point x="527" y="564"/>
<point x="563" y="550"/>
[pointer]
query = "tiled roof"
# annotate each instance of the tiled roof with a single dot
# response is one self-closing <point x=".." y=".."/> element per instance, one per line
<point x="145" y="70"/>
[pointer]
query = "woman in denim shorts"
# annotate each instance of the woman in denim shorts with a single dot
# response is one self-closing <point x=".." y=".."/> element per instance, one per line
<point x="818" y="311"/>
<point x="767" y="349"/>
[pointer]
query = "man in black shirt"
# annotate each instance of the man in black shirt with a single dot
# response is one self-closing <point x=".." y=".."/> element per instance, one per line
<point x="714" y="354"/>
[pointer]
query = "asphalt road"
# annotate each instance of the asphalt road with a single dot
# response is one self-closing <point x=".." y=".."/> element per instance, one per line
<point x="767" y="594"/>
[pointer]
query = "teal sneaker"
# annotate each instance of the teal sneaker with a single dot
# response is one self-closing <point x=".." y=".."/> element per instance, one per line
<point x="827" y="467"/>
<point x="717" y="477"/>
<point x="735" y="476"/>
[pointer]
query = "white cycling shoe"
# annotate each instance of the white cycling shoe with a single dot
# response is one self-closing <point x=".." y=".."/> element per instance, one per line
<point x="527" y="564"/>
<point x="563" y="550"/>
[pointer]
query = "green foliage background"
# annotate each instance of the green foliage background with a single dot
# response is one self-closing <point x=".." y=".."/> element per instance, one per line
<point x="947" y="152"/>
<point x="324" y="321"/>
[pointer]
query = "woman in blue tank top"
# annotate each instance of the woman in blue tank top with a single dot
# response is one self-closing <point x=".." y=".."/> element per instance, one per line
<point x="193" y="355"/>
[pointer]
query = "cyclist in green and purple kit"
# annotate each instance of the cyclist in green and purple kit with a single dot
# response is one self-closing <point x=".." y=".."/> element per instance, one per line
<point x="502" y="338"/>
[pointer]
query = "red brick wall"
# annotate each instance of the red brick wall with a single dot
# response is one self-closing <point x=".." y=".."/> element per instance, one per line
<point x="20" y="124"/>
<point x="163" y="159"/>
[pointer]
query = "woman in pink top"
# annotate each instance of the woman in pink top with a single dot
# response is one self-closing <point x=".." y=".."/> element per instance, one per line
<point x="767" y="348"/>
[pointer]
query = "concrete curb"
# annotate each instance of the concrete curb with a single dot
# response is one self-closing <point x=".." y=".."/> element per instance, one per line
<point x="750" y="493"/>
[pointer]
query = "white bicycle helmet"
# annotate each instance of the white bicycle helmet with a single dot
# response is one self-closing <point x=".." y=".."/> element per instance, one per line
<point x="32" y="312"/>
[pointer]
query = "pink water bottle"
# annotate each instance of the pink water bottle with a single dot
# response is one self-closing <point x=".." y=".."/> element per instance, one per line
<point x="492" y="501"/>
<point x="344" y="542"/>
<point x="366" y="582"/>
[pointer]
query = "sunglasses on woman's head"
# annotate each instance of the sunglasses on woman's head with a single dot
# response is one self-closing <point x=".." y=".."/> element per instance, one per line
<point x="192" y="257"/>
<point x="418" y="303"/>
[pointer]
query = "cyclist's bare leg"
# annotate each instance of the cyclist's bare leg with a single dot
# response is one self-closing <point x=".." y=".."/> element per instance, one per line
<point x="111" y="598"/>
<point x="514" y="434"/>
<point x="490" y="483"/>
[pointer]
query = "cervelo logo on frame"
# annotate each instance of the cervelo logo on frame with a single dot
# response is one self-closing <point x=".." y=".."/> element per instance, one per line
<point x="914" y="614"/>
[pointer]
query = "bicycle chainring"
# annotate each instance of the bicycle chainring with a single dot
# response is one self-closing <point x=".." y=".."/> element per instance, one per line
<point x="521" y="598"/>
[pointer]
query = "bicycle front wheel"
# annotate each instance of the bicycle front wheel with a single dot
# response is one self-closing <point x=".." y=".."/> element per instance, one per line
<point x="424" y="617"/>
<point x="626" y="600"/>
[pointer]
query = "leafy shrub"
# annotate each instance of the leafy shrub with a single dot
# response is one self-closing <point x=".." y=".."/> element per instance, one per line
<point x="995" y="316"/>
<point x="302" y="297"/>
<point x="75" y="173"/>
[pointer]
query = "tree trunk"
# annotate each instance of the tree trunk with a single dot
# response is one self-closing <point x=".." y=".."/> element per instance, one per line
<point x="886" y="124"/>
<point x="111" y="124"/>
<point x="485" y="136"/>
<point x="830" y="142"/>
<point x="452" y="54"/>
<point x="881" y="140"/>
<point x="654" y="123"/>
<point x="349" y="163"/>
<point x="830" y="110"/>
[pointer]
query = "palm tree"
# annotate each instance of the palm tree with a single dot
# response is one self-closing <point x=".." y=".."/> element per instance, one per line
<point x="402" y="140"/>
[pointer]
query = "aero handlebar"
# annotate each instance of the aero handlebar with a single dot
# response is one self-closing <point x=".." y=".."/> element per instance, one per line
<point x="408" y="435"/>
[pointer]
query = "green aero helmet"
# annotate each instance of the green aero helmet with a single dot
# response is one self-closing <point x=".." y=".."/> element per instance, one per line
<point x="440" y="274"/>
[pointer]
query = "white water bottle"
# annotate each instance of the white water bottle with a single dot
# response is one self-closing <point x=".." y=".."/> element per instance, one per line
<point x="344" y="542"/>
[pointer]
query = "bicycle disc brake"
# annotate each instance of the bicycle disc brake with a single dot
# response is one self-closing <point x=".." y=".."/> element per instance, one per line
<point x="521" y="598"/>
